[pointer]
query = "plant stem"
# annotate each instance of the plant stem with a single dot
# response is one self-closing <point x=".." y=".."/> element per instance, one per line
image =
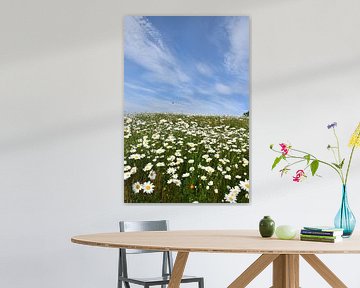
<point x="339" y="156"/>
<point x="296" y="150"/>
<point x="338" y="146"/>
<point x="348" y="168"/>
<point x="296" y="162"/>
<point x="313" y="158"/>
<point x="323" y="162"/>
<point x="333" y="152"/>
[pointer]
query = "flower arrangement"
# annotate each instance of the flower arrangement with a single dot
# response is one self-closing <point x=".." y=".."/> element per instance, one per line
<point x="293" y="156"/>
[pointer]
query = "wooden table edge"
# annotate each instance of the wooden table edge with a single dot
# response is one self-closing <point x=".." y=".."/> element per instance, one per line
<point x="207" y="250"/>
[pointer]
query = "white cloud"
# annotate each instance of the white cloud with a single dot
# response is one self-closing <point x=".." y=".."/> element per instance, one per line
<point x="237" y="58"/>
<point x="204" y="69"/>
<point x="144" y="46"/>
<point x="141" y="102"/>
<point x="223" y="89"/>
<point x="139" y="87"/>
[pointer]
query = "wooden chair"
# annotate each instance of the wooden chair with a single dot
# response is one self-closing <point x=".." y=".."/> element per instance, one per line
<point x="167" y="262"/>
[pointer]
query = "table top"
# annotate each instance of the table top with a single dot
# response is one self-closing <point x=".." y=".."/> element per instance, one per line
<point x="217" y="241"/>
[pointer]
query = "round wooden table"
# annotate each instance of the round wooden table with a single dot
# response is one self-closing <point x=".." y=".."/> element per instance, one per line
<point x="284" y="254"/>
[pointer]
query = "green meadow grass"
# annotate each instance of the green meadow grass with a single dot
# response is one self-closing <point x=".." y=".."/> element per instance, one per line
<point x="208" y="156"/>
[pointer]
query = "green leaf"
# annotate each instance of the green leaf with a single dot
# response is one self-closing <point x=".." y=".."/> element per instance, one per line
<point x="271" y="146"/>
<point x="339" y="166"/>
<point x="342" y="163"/>
<point x="276" y="162"/>
<point x="314" y="166"/>
<point x="307" y="157"/>
<point x="336" y="165"/>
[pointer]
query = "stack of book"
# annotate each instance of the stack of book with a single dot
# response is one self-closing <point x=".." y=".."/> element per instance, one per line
<point x="321" y="234"/>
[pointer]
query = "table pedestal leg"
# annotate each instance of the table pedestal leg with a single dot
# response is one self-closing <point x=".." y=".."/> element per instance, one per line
<point x="253" y="270"/>
<point x="286" y="271"/>
<point x="324" y="271"/>
<point x="178" y="270"/>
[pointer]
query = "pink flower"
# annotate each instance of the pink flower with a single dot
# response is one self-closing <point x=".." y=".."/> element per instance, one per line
<point x="300" y="175"/>
<point x="284" y="148"/>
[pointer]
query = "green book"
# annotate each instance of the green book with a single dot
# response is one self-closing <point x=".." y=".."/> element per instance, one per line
<point x="323" y="228"/>
<point x="319" y="236"/>
<point x="325" y="240"/>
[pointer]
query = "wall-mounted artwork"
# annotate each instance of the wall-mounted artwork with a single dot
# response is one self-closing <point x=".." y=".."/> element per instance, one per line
<point x="186" y="118"/>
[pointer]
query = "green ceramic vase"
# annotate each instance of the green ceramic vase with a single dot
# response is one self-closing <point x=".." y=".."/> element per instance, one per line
<point x="266" y="227"/>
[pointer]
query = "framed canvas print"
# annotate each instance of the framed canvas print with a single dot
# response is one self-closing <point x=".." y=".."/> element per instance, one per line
<point x="186" y="118"/>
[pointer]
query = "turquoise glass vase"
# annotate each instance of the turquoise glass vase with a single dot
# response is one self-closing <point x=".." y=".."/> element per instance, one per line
<point x="345" y="219"/>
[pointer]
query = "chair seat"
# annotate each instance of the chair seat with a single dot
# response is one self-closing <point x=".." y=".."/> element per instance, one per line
<point x="158" y="280"/>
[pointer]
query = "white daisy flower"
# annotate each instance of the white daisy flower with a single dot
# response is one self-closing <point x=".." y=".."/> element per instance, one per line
<point x="245" y="185"/>
<point x="136" y="187"/>
<point x="231" y="197"/>
<point x="160" y="151"/>
<point x="148" y="187"/>
<point x="185" y="175"/>
<point x="148" y="166"/>
<point x="135" y="156"/>
<point x="171" y="170"/>
<point x="171" y="158"/>
<point x="209" y="169"/>
<point x="227" y="177"/>
<point x="236" y="190"/>
<point x="127" y="175"/>
<point x="152" y="175"/>
<point x="245" y="162"/>
<point x="175" y="181"/>
<point x="160" y="164"/>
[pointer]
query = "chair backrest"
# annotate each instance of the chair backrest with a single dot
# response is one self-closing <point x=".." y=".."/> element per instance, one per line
<point x="134" y="226"/>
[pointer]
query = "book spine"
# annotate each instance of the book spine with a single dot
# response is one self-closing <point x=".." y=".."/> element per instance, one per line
<point x="318" y="239"/>
<point x="320" y="233"/>
<point x="319" y="236"/>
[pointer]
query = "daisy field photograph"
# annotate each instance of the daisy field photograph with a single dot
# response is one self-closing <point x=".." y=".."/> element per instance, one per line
<point x="186" y="118"/>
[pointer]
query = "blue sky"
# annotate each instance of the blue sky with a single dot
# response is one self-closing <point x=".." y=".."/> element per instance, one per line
<point x="181" y="64"/>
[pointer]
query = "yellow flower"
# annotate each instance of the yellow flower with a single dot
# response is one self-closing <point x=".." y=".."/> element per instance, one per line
<point x="355" y="137"/>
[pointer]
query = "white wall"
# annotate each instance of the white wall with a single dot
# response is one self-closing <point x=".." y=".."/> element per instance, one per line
<point x="61" y="146"/>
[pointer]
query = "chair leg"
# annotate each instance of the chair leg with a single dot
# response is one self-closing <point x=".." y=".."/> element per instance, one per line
<point x="201" y="283"/>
